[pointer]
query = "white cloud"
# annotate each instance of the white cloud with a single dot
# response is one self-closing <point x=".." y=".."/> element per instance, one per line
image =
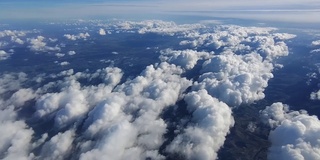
<point x="315" y="51"/>
<point x="315" y="43"/>
<point x="235" y="79"/>
<point x="187" y="59"/>
<point x="315" y="95"/>
<point x="15" y="136"/>
<point x="58" y="147"/>
<point x="59" y="55"/>
<point x="102" y="32"/>
<point x="123" y="121"/>
<point x="64" y="63"/>
<point x="38" y="44"/>
<point x="295" y="134"/>
<point x="207" y="130"/>
<point x="71" y="53"/>
<point x="72" y="94"/>
<point x="4" y="55"/>
<point x="12" y="81"/>
<point x="140" y="101"/>
<point x="73" y="37"/>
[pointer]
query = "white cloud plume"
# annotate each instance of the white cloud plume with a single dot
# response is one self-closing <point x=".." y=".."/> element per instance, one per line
<point x="295" y="134"/>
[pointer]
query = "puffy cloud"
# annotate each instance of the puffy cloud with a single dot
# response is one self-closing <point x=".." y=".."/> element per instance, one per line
<point x="71" y="53"/>
<point x="187" y="59"/>
<point x="295" y="134"/>
<point x="4" y="55"/>
<point x="15" y="136"/>
<point x="315" y="95"/>
<point x="94" y="116"/>
<point x="207" y="130"/>
<point x="12" y="81"/>
<point x="37" y="44"/>
<point x="235" y="79"/>
<point x="64" y="63"/>
<point x="58" y="147"/>
<point x="102" y="32"/>
<point x="74" y="101"/>
<point x="315" y="43"/>
<point x="59" y="55"/>
<point x="128" y="120"/>
<point x="78" y="36"/>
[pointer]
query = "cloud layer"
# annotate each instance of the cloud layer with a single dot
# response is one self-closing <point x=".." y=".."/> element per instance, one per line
<point x="98" y="114"/>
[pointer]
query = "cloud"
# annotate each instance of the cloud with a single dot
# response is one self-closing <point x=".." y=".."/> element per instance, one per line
<point x="58" y="147"/>
<point x="295" y="134"/>
<point x="73" y="37"/>
<point x="12" y="81"/>
<point x="100" y="114"/>
<point x="102" y="32"/>
<point x="4" y="55"/>
<point x="235" y="79"/>
<point x="187" y="59"/>
<point x="71" y="53"/>
<point x="315" y="43"/>
<point x="15" y="136"/>
<point x="207" y="129"/>
<point x="38" y="44"/>
<point x="63" y="103"/>
<point x="64" y="63"/>
<point x="315" y="95"/>
<point x="128" y="122"/>
<point x="59" y="55"/>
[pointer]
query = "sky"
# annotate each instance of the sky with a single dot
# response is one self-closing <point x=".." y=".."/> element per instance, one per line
<point x="300" y="11"/>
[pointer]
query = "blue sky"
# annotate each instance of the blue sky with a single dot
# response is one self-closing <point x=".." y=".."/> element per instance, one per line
<point x="306" y="11"/>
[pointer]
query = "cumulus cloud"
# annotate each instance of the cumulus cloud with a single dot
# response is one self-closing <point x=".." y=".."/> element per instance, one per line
<point x="78" y="36"/>
<point x="207" y="129"/>
<point x="235" y="79"/>
<point x="4" y="55"/>
<point x="102" y="32"/>
<point x="158" y="26"/>
<point x="315" y="43"/>
<point x="58" y="147"/>
<point x="64" y="63"/>
<point x="74" y="101"/>
<point x="38" y="44"/>
<point x="187" y="59"/>
<point x="15" y="136"/>
<point x="295" y="134"/>
<point x="140" y="101"/>
<point x="99" y="114"/>
<point x="12" y="81"/>
<point x="71" y="53"/>
<point x="315" y="95"/>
